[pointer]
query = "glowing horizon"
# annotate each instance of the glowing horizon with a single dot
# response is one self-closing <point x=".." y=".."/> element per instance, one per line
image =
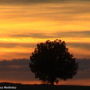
<point x="68" y="82"/>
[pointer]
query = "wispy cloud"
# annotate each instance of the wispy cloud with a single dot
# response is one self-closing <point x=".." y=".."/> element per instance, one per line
<point x="33" y="45"/>
<point x="72" y="34"/>
<point x="13" y="45"/>
<point x="36" y="1"/>
<point x="85" y="46"/>
<point x="53" y="11"/>
<point x="33" y="35"/>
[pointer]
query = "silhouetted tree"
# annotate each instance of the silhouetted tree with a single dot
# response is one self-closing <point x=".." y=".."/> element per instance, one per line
<point x="52" y="61"/>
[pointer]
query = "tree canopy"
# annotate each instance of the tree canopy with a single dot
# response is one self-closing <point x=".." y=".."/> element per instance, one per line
<point x="51" y="61"/>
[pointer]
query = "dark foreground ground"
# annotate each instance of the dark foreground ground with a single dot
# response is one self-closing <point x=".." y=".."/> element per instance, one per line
<point x="13" y="86"/>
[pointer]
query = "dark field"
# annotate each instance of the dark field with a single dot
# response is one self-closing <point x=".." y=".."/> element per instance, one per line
<point x="12" y="86"/>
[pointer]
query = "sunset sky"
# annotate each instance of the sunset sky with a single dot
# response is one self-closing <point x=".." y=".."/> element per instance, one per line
<point x="24" y="23"/>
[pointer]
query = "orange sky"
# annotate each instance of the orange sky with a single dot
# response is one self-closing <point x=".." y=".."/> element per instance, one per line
<point x="24" y="24"/>
<point x="38" y="22"/>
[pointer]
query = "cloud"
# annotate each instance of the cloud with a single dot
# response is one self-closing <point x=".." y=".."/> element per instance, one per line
<point x="55" y="35"/>
<point x="19" y="50"/>
<point x="13" y="45"/>
<point x="84" y="69"/>
<point x="74" y="34"/>
<point x="33" y="35"/>
<point x="69" y="11"/>
<point x="36" y="1"/>
<point x="28" y="1"/>
<point x="80" y="45"/>
<point x="16" y="65"/>
<point x="18" y="70"/>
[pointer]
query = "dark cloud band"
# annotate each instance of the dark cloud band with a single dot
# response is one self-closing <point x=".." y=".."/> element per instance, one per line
<point x="18" y="70"/>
